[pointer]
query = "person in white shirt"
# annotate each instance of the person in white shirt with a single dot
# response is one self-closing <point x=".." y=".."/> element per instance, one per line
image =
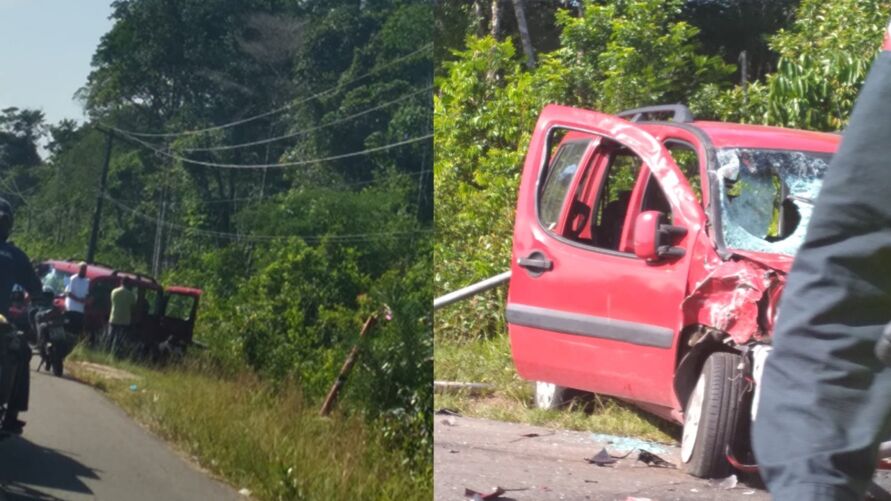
<point x="76" y="298"/>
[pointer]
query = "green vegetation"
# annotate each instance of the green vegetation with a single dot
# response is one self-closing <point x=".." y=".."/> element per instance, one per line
<point x="488" y="361"/>
<point x="806" y="61"/>
<point x="276" y="154"/>
<point x="266" y="439"/>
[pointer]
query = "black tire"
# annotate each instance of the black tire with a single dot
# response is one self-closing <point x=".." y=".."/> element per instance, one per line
<point x="718" y="417"/>
<point x="57" y="366"/>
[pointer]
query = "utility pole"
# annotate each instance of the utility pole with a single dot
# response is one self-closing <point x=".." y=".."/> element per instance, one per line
<point x="159" y="233"/>
<point x="94" y="234"/>
<point x="331" y="398"/>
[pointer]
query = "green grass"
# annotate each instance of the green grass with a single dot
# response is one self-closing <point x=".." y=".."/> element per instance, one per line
<point x="489" y="361"/>
<point x="270" y="442"/>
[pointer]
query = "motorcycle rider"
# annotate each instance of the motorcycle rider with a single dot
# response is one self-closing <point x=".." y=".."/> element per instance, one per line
<point x="15" y="374"/>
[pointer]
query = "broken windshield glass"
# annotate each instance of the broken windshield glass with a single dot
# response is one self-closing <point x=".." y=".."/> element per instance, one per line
<point x="766" y="197"/>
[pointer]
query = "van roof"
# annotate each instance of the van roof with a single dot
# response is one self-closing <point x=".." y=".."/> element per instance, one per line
<point x="98" y="271"/>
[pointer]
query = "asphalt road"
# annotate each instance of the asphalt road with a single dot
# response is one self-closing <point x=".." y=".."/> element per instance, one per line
<point x="480" y="454"/>
<point x="78" y="445"/>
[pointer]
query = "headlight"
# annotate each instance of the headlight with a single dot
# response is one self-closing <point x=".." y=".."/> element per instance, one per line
<point x="759" y="358"/>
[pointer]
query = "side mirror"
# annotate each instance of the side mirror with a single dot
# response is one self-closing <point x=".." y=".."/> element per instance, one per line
<point x="653" y="239"/>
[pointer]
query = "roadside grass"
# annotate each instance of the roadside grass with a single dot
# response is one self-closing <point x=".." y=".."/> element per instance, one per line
<point x="489" y="361"/>
<point x="270" y="442"/>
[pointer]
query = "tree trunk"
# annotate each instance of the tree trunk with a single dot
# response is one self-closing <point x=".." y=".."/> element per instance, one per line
<point x="520" y="11"/>
<point x="496" y="19"/>
<point x="480" y="18"/>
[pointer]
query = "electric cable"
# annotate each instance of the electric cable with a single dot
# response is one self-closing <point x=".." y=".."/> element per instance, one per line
<point x="337" y="185"/>
<point x="310" y="129"/>
<point x="311" y="161"/>
<point x="330" y="91"/>
<point x="354" y="237"/>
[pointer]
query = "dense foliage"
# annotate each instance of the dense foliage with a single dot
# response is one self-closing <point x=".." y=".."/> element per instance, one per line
<point x="810" y="59"/>
<point x="292" y="259"/>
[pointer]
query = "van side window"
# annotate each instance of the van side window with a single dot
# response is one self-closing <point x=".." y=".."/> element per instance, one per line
<point x="586" y="192"/>
<point x="151" y="303"/>
<point x="558" y="180"/>
<point x="687" y="160"/>
<point x="654" y="198"/>
<point x="614" y="196"/>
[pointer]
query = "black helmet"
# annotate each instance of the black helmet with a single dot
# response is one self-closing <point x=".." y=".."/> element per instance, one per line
<point x="5" y="219"/>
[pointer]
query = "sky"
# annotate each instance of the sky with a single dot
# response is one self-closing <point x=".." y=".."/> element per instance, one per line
<point x="45" y="52"/>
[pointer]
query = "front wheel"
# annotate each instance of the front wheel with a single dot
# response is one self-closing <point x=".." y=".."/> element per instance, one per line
<point x="57" y="366"/>
<point x="711" y="416"/>
<point x="550" y="396"/>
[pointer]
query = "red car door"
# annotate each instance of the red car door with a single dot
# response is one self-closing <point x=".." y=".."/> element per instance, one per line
<point x="583" y="310"/>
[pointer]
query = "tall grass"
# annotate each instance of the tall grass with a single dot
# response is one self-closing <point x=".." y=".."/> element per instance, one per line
<point x="268" y="440"/>
<point x="488" y="360"/>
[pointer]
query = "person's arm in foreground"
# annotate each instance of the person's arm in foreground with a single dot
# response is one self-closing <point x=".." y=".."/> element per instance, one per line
<point x="825" y="397"/>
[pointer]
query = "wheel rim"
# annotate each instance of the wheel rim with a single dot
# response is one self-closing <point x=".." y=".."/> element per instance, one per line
<point x="692" y="417"/>
<point x="544" y="394"/>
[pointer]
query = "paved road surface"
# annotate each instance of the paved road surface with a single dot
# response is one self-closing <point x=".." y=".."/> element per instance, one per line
<point x="481" y="454"/>
<point x="78" y="445"/>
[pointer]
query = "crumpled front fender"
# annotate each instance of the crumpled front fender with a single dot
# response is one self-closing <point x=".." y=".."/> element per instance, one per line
<point x="737" y="297"/>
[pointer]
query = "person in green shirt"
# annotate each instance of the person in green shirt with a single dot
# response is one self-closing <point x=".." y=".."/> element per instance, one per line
<point x="122" y="302"/>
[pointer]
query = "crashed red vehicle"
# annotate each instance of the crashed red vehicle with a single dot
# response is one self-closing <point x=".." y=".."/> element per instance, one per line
<point x="648" y="259"/>
<point x="161" y="314"/>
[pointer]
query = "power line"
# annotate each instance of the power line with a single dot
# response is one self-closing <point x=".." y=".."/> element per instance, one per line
<point x="321" y="186"/>
<point x="354" y="237"/>
<point x="277" y="165"/>
<point x="330" y="91"/>
<point x="311" y="129"/>
<point x="13" y="189"/>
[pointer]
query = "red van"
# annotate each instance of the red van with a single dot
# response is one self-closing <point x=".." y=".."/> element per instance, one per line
<point x="162" y="314"/>
<point x="648" y="258"/>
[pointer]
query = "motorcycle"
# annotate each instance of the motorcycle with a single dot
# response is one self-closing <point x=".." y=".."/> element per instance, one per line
<point x="55" y="340"/>
<point x="14" y="357"/>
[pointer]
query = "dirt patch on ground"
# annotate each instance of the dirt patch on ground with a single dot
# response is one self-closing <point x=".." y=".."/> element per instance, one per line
<point x="105" y="371"/>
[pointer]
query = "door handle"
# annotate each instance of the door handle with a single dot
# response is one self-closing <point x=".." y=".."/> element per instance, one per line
<point x="537" y="263"/>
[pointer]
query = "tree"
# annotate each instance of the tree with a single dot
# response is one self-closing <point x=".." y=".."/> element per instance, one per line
<point x="730" y="27"/>
<point x="497" y="19"/>
<point x="291" y="259"/>
<point x="823" y="60"/>
<point x="819" y="76"/>
<point x="62" y="135"/>
<point x="623" y="55"/>
<point x="520" y="11"/>
<point x="19" y="132"/>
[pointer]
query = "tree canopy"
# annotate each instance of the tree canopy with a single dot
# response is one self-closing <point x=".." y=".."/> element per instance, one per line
<point x="275" y="153"/>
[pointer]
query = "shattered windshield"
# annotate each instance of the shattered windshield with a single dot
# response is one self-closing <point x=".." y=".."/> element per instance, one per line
<point x="767" y="196"/>
<point x="55" y="280"/>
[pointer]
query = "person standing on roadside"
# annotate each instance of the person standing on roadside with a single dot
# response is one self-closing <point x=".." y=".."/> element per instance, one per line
<point x="76" y="293"/>
<point x="122" y="302"/>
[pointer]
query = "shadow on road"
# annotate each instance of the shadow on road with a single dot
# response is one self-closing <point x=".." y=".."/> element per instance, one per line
<point x="26" y="467"/>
